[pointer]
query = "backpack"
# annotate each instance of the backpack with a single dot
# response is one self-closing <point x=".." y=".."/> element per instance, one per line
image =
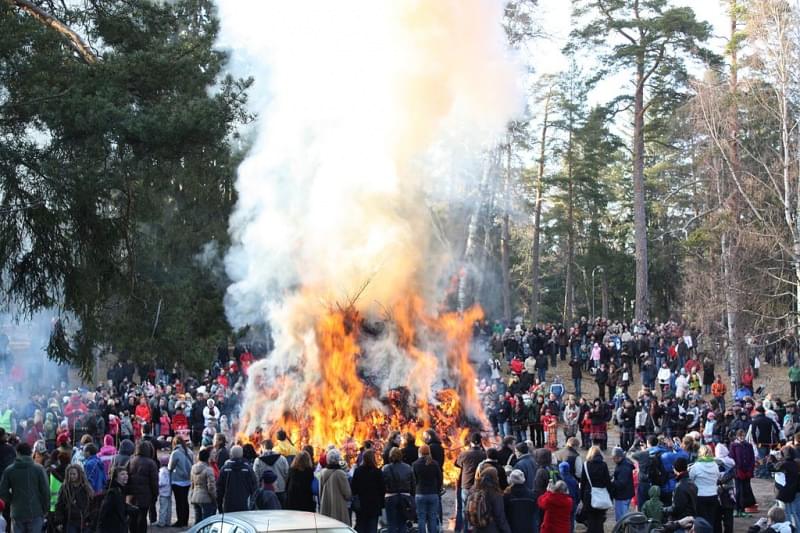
<point x="656" y="472"/>
<point x="478" y="514"/>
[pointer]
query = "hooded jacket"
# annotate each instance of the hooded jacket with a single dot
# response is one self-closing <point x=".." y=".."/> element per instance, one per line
<point x="528" y="467"/>
<point x="124" y="456"/>
<point x="622" y="481"/>
<point x="653" y="508"/>
<point x="272" y="460"/>
<point x="571" y="481"/>
<point x="24" y="487"/>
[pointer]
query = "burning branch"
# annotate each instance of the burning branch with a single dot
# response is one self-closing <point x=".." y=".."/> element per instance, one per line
<point x="74" y="40"/>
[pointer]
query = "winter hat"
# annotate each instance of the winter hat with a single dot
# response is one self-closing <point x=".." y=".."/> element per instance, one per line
<point x="269" y="477"/>
<point x="516" y="477"/>
<point x="617" y="452"/>
<point x="62" y="440"/>
<point x="711" y="415"/>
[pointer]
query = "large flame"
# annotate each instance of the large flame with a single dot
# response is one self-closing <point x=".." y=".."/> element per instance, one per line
<point x="370" y="112"/>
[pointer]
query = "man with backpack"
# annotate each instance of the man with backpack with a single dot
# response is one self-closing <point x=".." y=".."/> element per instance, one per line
<point x="468" y="463"/>
<point x="642" y="453"/>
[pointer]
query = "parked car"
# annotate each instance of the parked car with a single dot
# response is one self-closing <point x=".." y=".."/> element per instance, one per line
<point x="270" y="521"/>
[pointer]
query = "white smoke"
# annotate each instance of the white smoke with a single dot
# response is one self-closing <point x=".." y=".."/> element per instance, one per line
<point x="369" y="106"/>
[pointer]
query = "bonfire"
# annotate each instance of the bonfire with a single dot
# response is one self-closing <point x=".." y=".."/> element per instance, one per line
<point x="349" y="402"/>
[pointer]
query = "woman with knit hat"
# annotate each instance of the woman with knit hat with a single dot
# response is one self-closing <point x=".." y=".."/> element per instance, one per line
<point x="520" y="503"/>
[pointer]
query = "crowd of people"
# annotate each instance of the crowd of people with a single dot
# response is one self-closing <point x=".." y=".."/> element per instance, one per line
<point x="127" y="453"/>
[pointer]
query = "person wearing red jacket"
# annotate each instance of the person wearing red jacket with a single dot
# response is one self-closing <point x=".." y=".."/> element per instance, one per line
<point x="75" y="409"/>
<point x="556" y="504"/>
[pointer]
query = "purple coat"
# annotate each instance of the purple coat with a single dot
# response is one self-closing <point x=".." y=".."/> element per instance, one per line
<point x="742" y="454"/>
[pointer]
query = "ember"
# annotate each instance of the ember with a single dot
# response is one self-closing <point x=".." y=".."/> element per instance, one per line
<point x="344" y="404"/>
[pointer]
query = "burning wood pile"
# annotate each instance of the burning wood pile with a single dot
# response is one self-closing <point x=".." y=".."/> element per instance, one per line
<point x="354" y="380"/>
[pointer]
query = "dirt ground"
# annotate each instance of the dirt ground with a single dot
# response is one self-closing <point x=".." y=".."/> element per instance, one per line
<point x="773" y="378"/>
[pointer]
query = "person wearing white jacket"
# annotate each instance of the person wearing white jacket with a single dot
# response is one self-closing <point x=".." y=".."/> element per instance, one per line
<point x="664" y="376"/>
<point x="705" y="474"/>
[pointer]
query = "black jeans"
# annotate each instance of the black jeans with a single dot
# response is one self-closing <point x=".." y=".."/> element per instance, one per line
<point x="181" y="505"/>
<point x="138" y="522"/>
<point x="795" y="388"/>
<point x="366" y="523"/>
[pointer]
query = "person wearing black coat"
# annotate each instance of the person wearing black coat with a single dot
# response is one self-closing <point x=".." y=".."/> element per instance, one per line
<point x="236" y="483"/>
<point x="684" y="497"/>
<point x="410" y="450"/>
<point x="142" y="488"/>
<point x="493" y="459"/>
<point x="299" y="494"/>
<point x="368" y="490"/>
<point x="520" y="504"/>
<point x="594" y="475"/>
<point x="432" y="439"/>
<point x="621" y="483"/>
<point x="113" y="517"/>
<point x="196" y="419"/>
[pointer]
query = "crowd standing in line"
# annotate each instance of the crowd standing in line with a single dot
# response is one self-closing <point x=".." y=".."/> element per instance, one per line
<point x="116" y="458"/>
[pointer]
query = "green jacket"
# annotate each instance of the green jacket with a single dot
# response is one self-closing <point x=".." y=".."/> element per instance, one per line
<point x="794" y="373"/>
<point x="24" y="486"/>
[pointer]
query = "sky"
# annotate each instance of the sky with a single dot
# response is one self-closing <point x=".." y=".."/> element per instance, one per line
<point x="556" y="20"/>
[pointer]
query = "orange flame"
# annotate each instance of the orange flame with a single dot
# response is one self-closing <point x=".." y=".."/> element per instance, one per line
<point x="342" y="409"/>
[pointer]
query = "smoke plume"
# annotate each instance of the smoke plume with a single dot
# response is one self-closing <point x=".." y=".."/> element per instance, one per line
<point x="364" y="107"/>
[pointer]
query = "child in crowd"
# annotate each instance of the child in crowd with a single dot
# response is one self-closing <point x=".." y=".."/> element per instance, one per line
<point x="164" y="495"/>
<point x="653" y="508"/>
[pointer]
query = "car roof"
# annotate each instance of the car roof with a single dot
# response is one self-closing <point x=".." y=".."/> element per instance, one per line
<point x="283" y="520"/>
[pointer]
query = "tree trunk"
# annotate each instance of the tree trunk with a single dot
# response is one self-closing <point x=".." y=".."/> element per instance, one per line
<point x="537" y="217"/>
<point x="641" y="309"/>
<point x="468" y="265"/>
<point x="604" y="294"/>
<point x="736" y="356"/>
<point x="505" y="236"/>
<point x="569" y="282"/>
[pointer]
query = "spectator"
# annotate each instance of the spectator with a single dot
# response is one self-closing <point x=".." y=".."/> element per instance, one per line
<point x="74" y="500"/>
<point x="520" y="504"/>
<point x="621" y="483"/>
<point x="468" y="462"/>
<point x="705" y="474"/>
<point x="272" y="460"/>
<point x="684" y="498"/>
<point x="113" y="517"/>
<point x="203" y="493"/>
<point x="368" y="490"/>
<point x="428" y="476"/>
<point x="264" y="499"/>
<point x="24" y="488"/>
<point x="595" y="475"/>
<point x="142" y="486"/>
<point x="489" y="489"/>
<point x="556" y="506"/>
<point x="299" y="495"/>
<point x="164" y="495"/>
<point x="180" y="468"/>
<point x="236" y="483"/>
<point x="334" y="488"/>
<point x="93" y="466"/>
